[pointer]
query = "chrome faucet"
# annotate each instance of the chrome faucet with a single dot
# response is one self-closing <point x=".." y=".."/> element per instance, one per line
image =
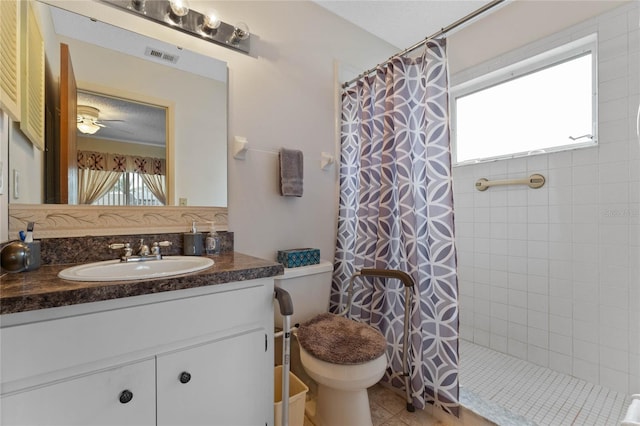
<point x="142" y="252"/>
<point x="143" y="249"/>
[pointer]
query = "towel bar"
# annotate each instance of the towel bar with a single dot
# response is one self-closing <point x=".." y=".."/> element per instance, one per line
<point x="534" y="181"/>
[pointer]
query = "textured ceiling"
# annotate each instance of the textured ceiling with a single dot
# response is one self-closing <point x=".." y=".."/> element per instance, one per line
<point x="399" y="22"/>
<point x="126" y="120"/>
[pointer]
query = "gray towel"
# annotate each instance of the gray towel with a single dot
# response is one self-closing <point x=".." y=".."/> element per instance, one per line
<point x="291" y="172"/>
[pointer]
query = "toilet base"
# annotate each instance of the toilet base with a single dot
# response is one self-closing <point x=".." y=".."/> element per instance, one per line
<point x="336" y="407"/>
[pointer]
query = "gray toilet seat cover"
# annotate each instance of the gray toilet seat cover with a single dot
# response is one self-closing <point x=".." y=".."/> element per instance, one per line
<point x="339" y="340"/>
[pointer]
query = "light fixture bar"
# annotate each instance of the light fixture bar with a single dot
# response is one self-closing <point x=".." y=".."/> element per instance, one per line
<point x="158" y="11"/>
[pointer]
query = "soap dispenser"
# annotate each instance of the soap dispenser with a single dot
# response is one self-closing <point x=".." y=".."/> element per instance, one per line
<point x="212" y="243"/>
<point x="192" y="242"/>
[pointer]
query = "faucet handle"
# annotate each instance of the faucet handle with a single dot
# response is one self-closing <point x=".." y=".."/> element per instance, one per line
<point x="125" y="246"/>
<point x="155" y="248"/>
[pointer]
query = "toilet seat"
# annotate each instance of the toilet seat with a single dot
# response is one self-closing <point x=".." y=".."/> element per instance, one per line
<point x="339" y="340"/>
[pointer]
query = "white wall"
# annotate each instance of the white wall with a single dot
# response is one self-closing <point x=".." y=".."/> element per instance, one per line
<point x="552" y="275"/>
<point x="281" y="95"/>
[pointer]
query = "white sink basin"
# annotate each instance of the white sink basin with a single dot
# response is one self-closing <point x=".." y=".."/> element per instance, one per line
<point x="114" y="270"/>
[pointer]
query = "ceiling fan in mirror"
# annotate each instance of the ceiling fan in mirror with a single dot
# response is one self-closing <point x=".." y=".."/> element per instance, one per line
<point x="88" y="119"/>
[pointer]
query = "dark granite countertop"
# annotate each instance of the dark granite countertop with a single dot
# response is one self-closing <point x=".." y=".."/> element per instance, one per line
<point x="40" y="289"/>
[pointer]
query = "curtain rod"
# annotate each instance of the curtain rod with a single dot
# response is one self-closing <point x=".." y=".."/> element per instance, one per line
<point x="444" y="30"/>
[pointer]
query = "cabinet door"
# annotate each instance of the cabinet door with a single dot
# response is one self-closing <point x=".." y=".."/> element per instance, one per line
<point x="224" y="382"/>
<point x="95" y="399"/>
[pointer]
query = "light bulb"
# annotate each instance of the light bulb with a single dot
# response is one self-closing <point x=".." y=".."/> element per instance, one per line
<point x="210" y="23"/>
<point x="240" y="32"/>
<point x="211" y="20"/>
<point x="177" y="9"/>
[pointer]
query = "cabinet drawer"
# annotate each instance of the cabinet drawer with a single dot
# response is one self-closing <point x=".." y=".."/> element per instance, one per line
<point x="88" y="400"/>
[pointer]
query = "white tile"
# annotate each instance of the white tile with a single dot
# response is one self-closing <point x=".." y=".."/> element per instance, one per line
<point x="585" y="273"/>
<point x="612" y="89"/>
<point x="517" y="249"/>
<point x="561" y="306"/>
<point x="517" y="349"/>
<point x="587" y="331"/>
<point x="499" y="327"/>
<point x="583" y="194"/>
<point x="613" y="338"/>
<point x="538" y="302"/>
<point x="613" y="47"/>
<point x="537" y="337"/>
<point x="560" y="344"/>
<point x="614" y="131"/>
<point x="560" y="362"/>
<point x="614" y="172"/>
<point x="559" y="288"/>
<point x="560" y="269"/>
<point x="615" y="359"/>
<point x="614" y="192"/>
<point x="586" y="371"/>
<point x="517" y="315"/>
<point x="538" y="249"/>
<point x="561" y="326"/>
<point x="538" y="284"/>
<point x="538" y="266"/>
<point x="585" y="214"/>
<point x="538" y="232"/>
<point x="482" y="322"/>
<point x="498" y="343"/>
<point x="613" y="379"/>
<point x="518" y="298"/>
<point x="539" y="321"/>
<point x="612" y="26"/>
<point x="537" y="355"/>
<point x="499" y="311"/>
<point x="517" y="331"/>
<point x="586" y="311"/>
<point x="517" y="214"/>
<point x="612" y="69"/>
<point x="612" y="110"/>
<point x="584" y="233"/>
<point x="586" y="351"/>
<point x="616" y="297"/>
<point x="481" y="337"/>
<point x="560" y="250"/>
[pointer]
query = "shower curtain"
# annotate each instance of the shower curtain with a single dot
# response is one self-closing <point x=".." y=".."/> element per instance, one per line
<point x="396" y="212"/>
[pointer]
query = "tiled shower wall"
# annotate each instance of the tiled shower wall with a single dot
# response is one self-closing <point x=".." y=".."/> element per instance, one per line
<point x="552" y="275"/>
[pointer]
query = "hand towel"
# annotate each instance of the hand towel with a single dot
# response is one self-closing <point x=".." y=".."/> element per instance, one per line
<point x="291" y="172"/>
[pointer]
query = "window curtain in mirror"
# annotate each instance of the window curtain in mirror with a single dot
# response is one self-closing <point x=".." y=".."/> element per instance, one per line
<point x="396" y="212"/>
<point x="98" y="173"/>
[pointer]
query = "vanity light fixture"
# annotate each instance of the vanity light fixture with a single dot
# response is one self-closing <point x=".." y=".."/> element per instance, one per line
<point x="176" y="14"/>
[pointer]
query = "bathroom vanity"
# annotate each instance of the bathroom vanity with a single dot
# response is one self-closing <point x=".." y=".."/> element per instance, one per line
<point x="193" y="349"/>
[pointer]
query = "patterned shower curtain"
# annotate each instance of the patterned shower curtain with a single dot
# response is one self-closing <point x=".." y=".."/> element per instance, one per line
<point x="396" y="212"/>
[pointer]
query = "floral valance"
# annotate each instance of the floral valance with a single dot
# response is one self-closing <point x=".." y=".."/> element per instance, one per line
<point x="92" y="160"/>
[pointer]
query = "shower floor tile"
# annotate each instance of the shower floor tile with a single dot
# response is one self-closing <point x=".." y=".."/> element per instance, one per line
<point x="511" y="391"/>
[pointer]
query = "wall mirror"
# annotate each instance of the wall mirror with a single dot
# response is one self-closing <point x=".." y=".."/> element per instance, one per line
<point x="190" y="88"/>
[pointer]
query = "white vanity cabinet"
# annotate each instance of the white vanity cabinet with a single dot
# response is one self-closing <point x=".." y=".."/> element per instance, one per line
<point x="196" y="356"/>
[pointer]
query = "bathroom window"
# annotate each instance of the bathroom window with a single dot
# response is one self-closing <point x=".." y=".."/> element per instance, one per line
<point x="129" y="190"/>
<point x="543" y="104"/>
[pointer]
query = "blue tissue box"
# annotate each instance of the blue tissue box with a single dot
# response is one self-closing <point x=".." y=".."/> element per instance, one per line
<point x="294" y="258"/>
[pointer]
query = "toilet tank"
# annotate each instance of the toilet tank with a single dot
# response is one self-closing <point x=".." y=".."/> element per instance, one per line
<point x="309" y="287"/>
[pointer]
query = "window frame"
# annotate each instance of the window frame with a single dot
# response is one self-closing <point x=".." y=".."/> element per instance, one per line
<point x="552" y="57"/>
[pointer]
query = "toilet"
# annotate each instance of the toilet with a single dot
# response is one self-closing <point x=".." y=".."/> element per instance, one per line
<point x="342" y="373"/>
